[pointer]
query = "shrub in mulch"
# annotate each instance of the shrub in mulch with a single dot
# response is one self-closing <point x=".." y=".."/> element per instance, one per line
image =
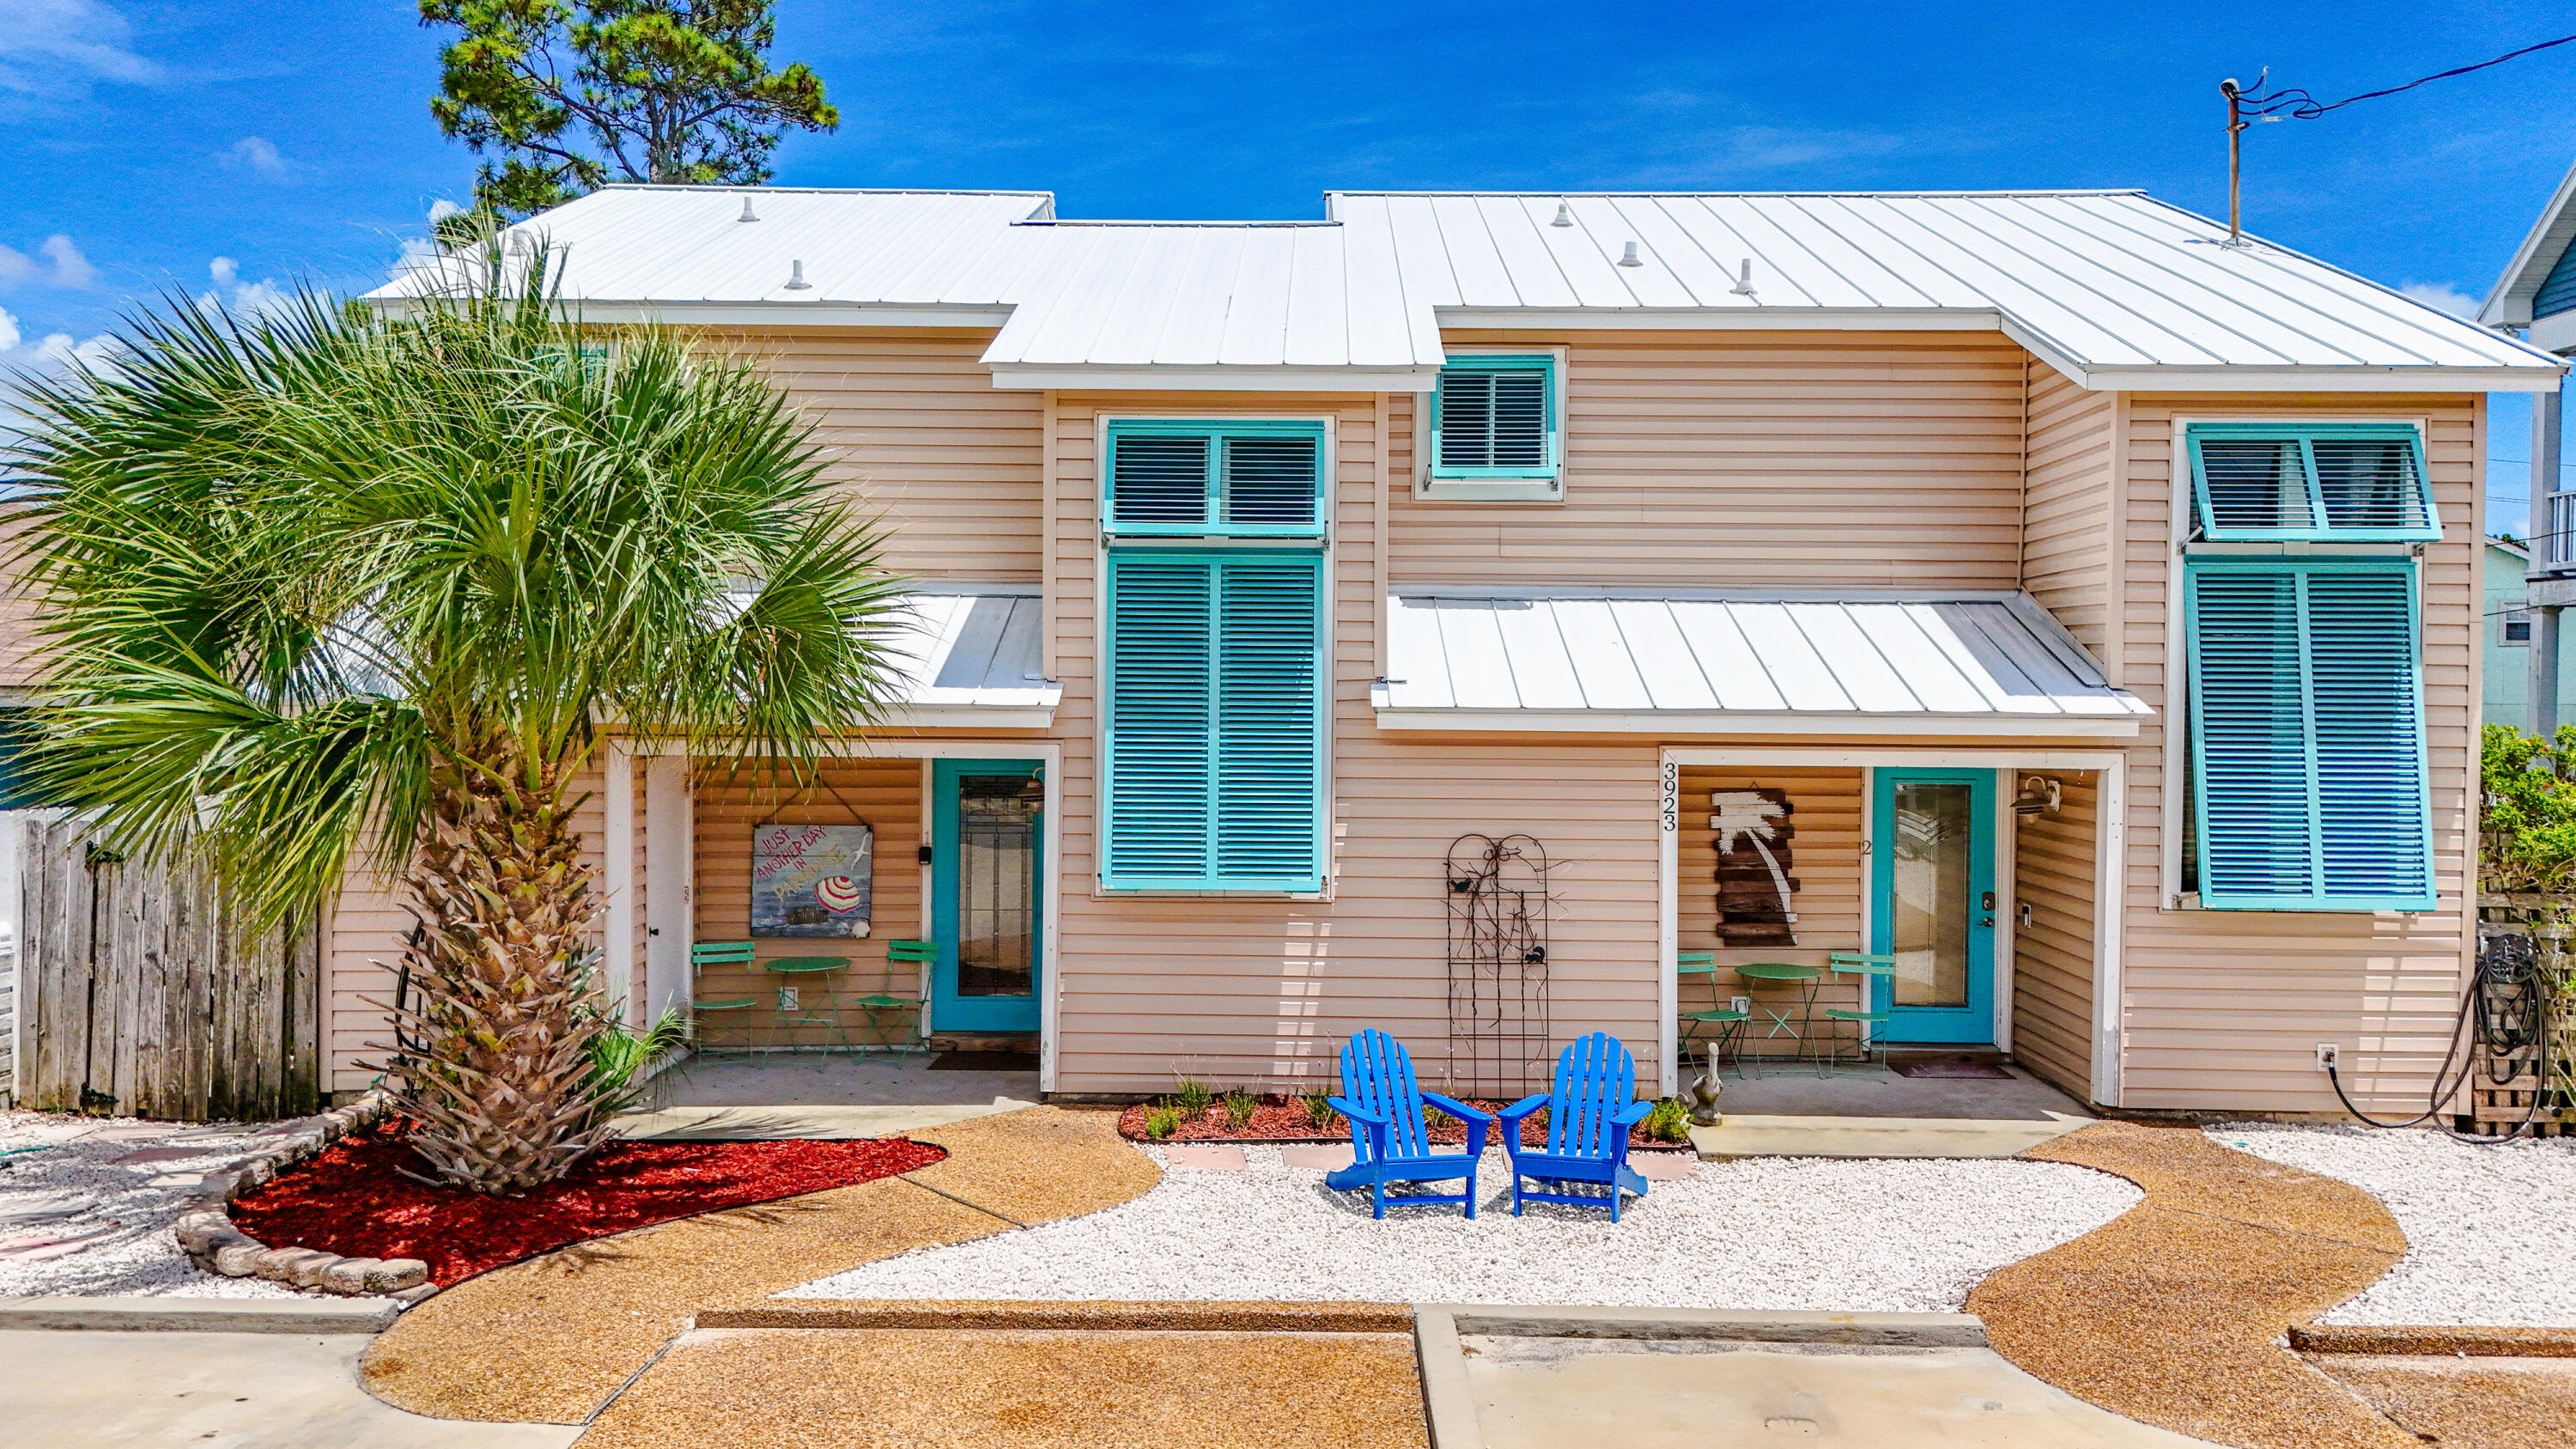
<point x="1283" y="1119"/>
<point x="352" y="1198"/>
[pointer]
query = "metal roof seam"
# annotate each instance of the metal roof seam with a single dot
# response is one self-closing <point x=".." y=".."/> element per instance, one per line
<point x="2023" y="249"/>
<point x="1845" y="277"/>
<point x="1893" y="671"/>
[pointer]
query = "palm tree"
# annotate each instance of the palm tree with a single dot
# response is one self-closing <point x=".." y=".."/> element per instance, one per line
<point x="323" y="587"/>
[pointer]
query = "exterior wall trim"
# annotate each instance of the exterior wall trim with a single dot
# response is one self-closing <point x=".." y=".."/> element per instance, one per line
<point x="2110" y="840"/>
<point x="1719" y="722"/>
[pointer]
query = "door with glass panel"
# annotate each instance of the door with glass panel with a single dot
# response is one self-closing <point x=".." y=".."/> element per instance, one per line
<point x="987" y="879"/>
<point x="1932" y="905"/>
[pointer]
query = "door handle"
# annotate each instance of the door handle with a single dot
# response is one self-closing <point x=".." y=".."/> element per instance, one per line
<point x="1988" y="922"/>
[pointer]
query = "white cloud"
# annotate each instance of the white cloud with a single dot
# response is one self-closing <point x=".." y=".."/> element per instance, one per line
<point x="256" y="154"/>
<point x="224" y="270"/>
<point x="2442" y="297"/>
<point x="8" y="330"/>
<point x="57" y="47"/>
<point x="69" y="268"/>
<point x="441" y="209"/>
<point x="244" y="299"/>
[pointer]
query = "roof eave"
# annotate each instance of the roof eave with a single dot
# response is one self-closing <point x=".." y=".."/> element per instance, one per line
<point x="1172" y="377"/>
<point x="1804" y="723"/>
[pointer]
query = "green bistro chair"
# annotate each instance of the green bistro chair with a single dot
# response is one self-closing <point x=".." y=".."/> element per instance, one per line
<point x="719" y="953"/>
<point x="1871" y="1024"/>
<point x="1724" y="1021"/>
<point x="886" y="1009"/>
<point x="814" y="979"/>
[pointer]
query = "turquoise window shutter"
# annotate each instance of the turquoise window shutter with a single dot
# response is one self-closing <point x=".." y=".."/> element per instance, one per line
<point x="1215" y="720"/>
<point x="2333" y="482"/>
<point x="1495" y="417"/>
<point x="2307" y="735"/>
<point x="1248" y="478"/>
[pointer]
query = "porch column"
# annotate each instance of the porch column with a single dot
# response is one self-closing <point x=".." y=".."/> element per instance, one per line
<point x="617" y="947"/>
<point x="2550" y="550"/>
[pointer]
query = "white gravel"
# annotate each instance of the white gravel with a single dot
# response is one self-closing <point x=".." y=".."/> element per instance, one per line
<point x="2490" y="1231"/>
<point x="1806" y="1233"/>
<point x="74" y="1221"/>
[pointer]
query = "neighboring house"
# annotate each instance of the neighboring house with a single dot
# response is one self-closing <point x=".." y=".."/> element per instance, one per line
<point x="1259" y="563"/>
<point x="2509" y="629"/>
<point x="2537" y="293"/>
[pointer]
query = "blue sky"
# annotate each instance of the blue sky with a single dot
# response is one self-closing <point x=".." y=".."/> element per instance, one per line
<point x="224" y="146"/>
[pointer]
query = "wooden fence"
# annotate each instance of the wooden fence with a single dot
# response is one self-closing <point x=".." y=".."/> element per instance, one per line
<point x="138" y="995"/>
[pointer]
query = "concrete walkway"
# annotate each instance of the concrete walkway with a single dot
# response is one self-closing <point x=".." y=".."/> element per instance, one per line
<point x="219" y="1391"/>
<point x="1869" y="1111"/>
<point x="836" y="1096"/>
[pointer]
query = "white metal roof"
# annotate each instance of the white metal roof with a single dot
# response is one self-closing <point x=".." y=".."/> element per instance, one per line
<point x="2509" y="302"/>
<point x="2114" y="289"/>
<point x="1870" y="662"/>
<point x="971" y="658"/>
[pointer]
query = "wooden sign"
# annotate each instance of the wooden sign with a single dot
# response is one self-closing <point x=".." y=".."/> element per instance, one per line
<point x="812" y="880"/>
<point x="1756" y="895"/>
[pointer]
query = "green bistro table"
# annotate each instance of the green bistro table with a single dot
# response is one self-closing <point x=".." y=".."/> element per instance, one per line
<point x="803" y="1013"/>
<point x="1809" y="978"/>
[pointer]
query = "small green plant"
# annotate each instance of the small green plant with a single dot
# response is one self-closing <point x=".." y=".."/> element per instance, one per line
<point x="1239" y="1107"/>
<point x="1319" y="1111"/>
<point x="619" y="1055"/>
<point x="1191" y="1098"/>
<point x="1670" y="1121"/>
<point x="1162" y="1121"/>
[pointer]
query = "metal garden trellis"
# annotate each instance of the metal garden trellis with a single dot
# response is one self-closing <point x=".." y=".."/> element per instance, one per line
<point x="1499" y="901"/>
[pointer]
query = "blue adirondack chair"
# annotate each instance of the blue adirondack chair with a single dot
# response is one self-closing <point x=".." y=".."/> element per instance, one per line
<point x="1388" y="1140"/>
<point x="1588" y="1117"/>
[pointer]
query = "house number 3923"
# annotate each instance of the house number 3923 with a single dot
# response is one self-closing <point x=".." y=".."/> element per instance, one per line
<point x="1672" y="797"/>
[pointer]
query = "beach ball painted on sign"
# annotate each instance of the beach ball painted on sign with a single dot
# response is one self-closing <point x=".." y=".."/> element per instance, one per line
<point x="812" y="880"/>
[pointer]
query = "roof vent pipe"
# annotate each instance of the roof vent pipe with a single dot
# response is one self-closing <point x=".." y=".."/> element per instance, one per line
<point x="1744" y="284"/>
<point x="796" y="278"/>
<point x="1564" y="214"/>
<point x="1629" y="258"/>
<point x="747" y="213"/>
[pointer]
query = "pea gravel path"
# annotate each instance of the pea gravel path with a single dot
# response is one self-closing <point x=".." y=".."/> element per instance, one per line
<point x="2490" y="1230"/>
<point x="1808" y="1233"/>
<point x="76" y="1220"/>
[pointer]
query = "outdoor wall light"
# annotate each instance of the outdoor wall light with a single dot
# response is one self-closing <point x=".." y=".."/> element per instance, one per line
<point x="2039" y="795"/>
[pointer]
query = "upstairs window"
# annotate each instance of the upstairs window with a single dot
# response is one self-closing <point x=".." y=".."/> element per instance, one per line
<point x="2307" y="735"/>
<point x="1215" y="479"/>
<point x="2348" y="483"/>
<point x="1496" y="417"/>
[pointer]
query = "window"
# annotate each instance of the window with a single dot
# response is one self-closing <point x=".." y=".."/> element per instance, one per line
<point x="2307" y="735"/>
<point x="1216" y="658"/>
<point x="2354" y="483"/>
<point x="2517" y="624"/>
<point x="1228" y="480"/>
<point x="1497" y="418"/>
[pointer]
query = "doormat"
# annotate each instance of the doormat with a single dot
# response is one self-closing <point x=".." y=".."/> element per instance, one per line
<point x="1949" y="1067"/>
<point x="984" y="1062"/>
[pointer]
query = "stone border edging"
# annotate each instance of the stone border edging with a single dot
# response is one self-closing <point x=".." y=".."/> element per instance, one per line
<point x="2447" y="1341"/>
<point x="1097" y="1315"/>
<point x="208" y="1234"/>
<point x="1449" y="1401"/>
<point x="198" y="1315"/>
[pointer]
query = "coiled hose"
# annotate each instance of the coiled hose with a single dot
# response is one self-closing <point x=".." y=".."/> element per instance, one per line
<point x="2506" y="1010"/>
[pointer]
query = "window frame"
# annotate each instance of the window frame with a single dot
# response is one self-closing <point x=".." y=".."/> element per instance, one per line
<point x="1434" y="481"/>
<point x="2187" y="731"/>
<point x="2306" y="435"/>
<point x="1230" y="542"/>
<point x="1216" y="431"/>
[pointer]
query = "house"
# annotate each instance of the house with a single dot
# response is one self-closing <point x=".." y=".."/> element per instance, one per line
<point x="1443" y="614"/>
<point x="2507" y="662"/>
<point x="2537" y="294"/>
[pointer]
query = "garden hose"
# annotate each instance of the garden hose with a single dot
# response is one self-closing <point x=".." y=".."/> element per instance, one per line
<point x="2506" y="1010"/>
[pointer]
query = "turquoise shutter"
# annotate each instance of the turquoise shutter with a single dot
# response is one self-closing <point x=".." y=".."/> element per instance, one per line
<point x="2348" y="482"/>
<point x="1495" y="417"/>
<point x="1161" y="713"/>
<point x="1270" y="722"/>
<point x="1214" y="772"/>
<point x="1272" y="481"/>
<point x="1158" y="479"/>
<point x="2307" y="736"/>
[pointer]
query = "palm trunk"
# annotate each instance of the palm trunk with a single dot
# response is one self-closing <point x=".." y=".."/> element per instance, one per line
<point x="496" y="1072"/>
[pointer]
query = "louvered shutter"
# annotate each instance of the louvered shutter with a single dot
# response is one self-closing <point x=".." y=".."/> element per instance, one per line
<point x="1495" y="417"/>
<point x="1271" y="480"/>
<point x="1158" y="478"/>
<point x="1215" y="722"/>
<point x="2354" y="482"/>
<point x="2307" y="737"/>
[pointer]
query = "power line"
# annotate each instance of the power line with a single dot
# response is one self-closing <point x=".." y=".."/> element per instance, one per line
<point x="2300" y="105"/>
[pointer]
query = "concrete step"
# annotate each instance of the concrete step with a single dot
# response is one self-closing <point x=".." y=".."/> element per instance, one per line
<point x="1742" y="1135"/>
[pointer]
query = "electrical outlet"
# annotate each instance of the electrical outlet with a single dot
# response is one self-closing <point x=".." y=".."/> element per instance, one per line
<point x="1743" y="1005"/>
<point x="787" y="998"/>
<point x="2327" y="1056"/>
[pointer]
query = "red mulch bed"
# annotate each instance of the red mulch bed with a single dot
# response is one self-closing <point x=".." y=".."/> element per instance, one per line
<point x="352" y="1198"/>
<point x="1283" y="1119"/>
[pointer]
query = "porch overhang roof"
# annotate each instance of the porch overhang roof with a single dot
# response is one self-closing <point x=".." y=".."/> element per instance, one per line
<point x="1845" y="662"/>
<point x="970" y="660"/>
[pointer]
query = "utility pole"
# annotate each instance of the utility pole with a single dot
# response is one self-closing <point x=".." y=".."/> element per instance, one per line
<point x="2236" y="124"/>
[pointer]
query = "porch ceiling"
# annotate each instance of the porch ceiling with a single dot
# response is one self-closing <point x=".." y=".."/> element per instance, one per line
<point x="1843" y="662"/>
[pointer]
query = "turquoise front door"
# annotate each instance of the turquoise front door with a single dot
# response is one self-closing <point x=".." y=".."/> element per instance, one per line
<point x="987" y="893"/>
<point x="1932" y="903"/>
